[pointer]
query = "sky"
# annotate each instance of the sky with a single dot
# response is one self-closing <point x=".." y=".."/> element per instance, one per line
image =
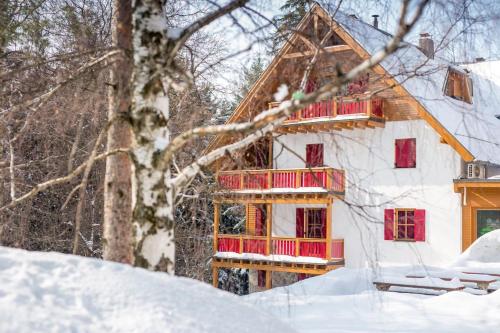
<point x="482" y="38"/>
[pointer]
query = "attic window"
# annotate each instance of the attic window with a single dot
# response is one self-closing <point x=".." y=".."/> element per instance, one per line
<point x="458" y="86"/>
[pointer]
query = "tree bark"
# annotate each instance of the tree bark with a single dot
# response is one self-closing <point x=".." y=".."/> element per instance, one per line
<point x="118" y="190"/>
<point x="153" y="197"/>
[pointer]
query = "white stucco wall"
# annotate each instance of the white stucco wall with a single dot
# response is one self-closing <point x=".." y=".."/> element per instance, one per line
<point x="373" y="184"/>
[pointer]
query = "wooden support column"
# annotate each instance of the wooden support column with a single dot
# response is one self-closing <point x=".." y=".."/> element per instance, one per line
<point x="215" y="277"/>
<point x="216" y="225"/>
<point x="269" y="279"/>
<point x="329" y="230"/>
<point x="269" y="228"/>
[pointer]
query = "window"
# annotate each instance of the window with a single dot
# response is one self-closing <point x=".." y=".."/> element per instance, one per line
<point x="404" y="224"/>
<point x="314" y="155"/>
<point x="487" y="220"/>
<point x="458" y="86"/>
<point x="311" y="223"/>
<point x="405" y="153"/>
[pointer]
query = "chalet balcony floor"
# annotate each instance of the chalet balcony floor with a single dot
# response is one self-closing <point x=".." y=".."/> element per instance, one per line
<point x="277" y="266"/>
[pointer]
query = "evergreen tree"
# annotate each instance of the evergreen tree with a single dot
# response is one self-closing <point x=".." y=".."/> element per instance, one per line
<point x="293" y="11"/>
<point x="248" y="77"/>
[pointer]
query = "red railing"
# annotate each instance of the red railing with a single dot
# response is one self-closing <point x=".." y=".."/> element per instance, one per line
<point x="284" y="246"/>
<point x="253" y="245"/>
<point x="254" y="181"/>
<point x="312" y="248"/>
<point x="304" y="247"/>
<point x="285" y="179"/>
<point x="340" y="106"/>
<point x="229" y="244"/>
<point x="327" y="178"/>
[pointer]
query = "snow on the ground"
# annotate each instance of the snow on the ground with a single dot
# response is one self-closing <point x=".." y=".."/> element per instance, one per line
<point x="49" y="292"/>
<point x="345" y="300"/>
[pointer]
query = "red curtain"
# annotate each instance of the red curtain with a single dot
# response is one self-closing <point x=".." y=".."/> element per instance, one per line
<point x="299" y="223"/>
<point x="389" y="224"/>
<point x="260" y="221"/>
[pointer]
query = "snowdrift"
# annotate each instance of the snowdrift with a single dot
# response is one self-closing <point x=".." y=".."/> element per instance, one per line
<point x="50" y="292"/>
<point x="344" y="300"/>
<point x="486" y="249"/>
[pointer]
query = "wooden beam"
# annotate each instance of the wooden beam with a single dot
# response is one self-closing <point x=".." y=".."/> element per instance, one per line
<point x="269" y="279"/>
<point x="269" y="228"/>
<point x="215" y="276"/>
<point x="216" y="225"/>
<point x="329" y="230"/>
<point x="328" y="49"/>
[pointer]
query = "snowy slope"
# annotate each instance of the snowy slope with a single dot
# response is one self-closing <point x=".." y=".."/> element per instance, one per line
<point x="49" y="292"/>
<point x="345" y="300"/>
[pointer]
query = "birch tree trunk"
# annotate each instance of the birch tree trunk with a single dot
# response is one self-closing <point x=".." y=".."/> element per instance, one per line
<point x="117" y="191"/>
<point x="152" y="196"/>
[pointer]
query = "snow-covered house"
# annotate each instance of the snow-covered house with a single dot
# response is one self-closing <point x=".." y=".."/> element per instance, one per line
<point x="402" y="167"/>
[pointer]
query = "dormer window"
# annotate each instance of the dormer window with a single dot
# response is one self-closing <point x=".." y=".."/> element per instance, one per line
<point x="458" y="86"/>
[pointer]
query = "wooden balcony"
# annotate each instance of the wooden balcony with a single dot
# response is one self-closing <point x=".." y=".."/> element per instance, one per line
<point x="336" y="114"/>
<point x="307" y="255"/>
<point x="282" y="182"/>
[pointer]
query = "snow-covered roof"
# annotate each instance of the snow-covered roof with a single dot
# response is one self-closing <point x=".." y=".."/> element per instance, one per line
<point x="473" y="125"/>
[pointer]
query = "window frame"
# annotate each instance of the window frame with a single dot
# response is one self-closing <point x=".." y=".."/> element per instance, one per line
<point x="397" y="225"/>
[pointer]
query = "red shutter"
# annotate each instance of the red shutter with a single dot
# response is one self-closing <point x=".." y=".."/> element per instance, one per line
<point x="412" y="153"/>
<point x="323" y="223"/>
<point x="389" y="224"/>
<point x="405" y="153"/>
<point x="299" y="222"/>
<point x="314" y="155"/>
<point x="420" y="225"/>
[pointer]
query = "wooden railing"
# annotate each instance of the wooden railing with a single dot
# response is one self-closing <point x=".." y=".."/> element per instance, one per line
<point x="294" y="247"/>
<point x="327" y="178"/>
<point x="339" y="106"/>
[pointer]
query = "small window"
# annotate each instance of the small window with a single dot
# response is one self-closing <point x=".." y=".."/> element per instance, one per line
<point x="405" y="153"/>
<point x="311" y="223"/>
<point x="314" y="155"/>
<point x="458" y="86"/>
<point x="404" y="224"/>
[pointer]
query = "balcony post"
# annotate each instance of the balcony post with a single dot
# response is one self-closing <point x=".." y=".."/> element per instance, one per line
<point x="216" y="225"/>
<point x="328" y="230"/>
<point x="269" y="229"/>
<point x="269" y="279"/>
<point x="215" y="276"/>
<point x="297" y="247"/>
<point x="369" y="111"/>
<point x="334" y="108"/>
<point x="241" y="244"/>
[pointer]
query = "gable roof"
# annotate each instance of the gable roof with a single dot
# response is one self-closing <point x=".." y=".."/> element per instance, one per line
<point x="471" y="129"/>
<point x="474" y="126"/>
